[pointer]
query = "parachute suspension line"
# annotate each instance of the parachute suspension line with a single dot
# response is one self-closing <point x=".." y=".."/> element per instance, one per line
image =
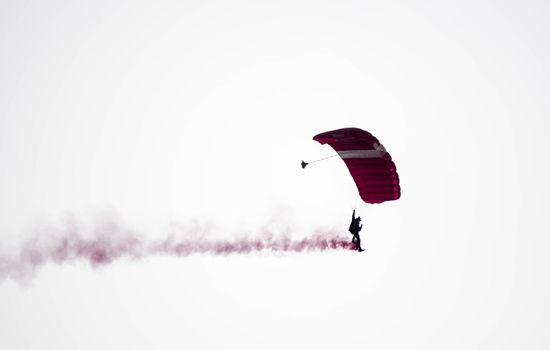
<point x="304" y="164"/>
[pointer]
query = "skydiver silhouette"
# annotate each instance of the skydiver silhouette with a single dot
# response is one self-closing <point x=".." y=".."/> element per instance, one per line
<point x="354" y="228"/>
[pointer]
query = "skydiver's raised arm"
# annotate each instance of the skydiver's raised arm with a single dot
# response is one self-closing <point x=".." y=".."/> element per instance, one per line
<point x="353" y="215"/>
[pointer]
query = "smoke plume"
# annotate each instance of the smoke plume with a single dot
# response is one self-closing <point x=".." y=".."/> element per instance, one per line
<point x="110" y="242"/>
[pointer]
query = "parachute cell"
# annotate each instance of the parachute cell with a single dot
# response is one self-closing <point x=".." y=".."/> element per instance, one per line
<point x="368" y="162"/>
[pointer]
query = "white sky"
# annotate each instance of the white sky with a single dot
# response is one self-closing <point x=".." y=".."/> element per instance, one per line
<point x="174" y="112"/>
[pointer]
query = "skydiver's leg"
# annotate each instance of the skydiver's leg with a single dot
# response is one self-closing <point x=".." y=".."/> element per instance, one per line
<point x="359" y="244"/>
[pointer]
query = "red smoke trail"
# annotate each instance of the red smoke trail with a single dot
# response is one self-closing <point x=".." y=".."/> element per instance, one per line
<point x="106" y="248"/>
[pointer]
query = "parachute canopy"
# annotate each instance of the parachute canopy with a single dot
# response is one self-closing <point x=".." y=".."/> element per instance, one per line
<point x="370" y="165"/>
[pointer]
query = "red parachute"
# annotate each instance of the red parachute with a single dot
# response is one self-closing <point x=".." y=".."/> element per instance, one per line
<point x="370" y="165"/>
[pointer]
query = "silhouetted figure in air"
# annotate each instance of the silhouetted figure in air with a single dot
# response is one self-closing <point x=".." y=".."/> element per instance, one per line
<point x="355" y="227"/>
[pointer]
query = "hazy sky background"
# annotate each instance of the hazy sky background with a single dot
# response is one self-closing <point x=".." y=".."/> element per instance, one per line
<point x="197" y="114"/>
